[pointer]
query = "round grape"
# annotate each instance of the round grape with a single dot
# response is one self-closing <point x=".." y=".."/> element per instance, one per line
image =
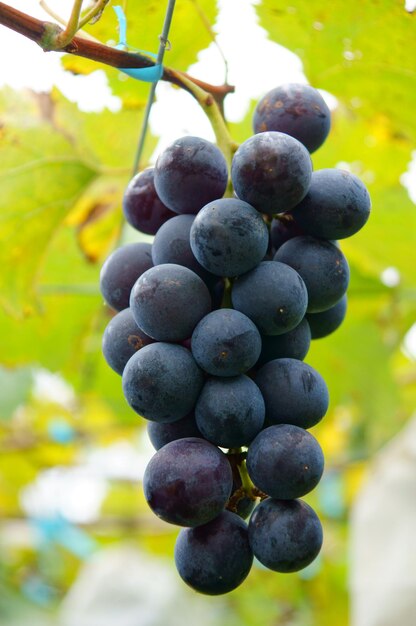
<point x="142" y="206"/>
<point x="322" y="266"/>
<point x="293" y="392"/>
<point x="273" y="296"/>
<point x="121" y="339"/>
<point x="214" y="558"/>
<point x="285" y="461"/>
<point x="336" y="206"/>
<point x="295" y="109"/>
<point x="190" y="173"/>
<point x="226" y="343"/>
<point x="271" y="171"/>
<point x="325" y="323"/>
<point x="162" y="382"/>
<point x="285" y="535"/>
<point x="293" y="344"/>
<point x="188" y="482"/>
<point x="121" y="270"/>
<point x="230" y="411"/>
<point x="161" y="434"/>
<point x="168" y="301"/>
<point x="229" y="237"/>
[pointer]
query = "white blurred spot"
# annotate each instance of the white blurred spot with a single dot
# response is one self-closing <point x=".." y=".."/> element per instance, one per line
<point x="49" y="387"/>
<point x="348" y="55"/>
<point x="344" y="165"/>
<point x="409" y="343"/>
<point x="410" y="5"/>
<point x="329" y="98"/>
<point x="73" y="493"/>
<point x="408" y="179"/>
<point x="120" y="461"/>
<point x="390" y="277"/>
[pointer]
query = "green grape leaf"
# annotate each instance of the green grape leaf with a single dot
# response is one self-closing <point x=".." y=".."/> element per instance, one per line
<point x="41" y="178"/>
<point x="363" y="52"/>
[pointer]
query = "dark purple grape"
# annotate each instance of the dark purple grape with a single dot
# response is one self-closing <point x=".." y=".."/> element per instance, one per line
<point x="298" y="110"/>
<point x="168" y="301"/>
<point x="283" y="229"/>
<point x="230" y="411"/>
<point x="188" y="482"/>
<point x="121" y="270"/>
<point x="273" y="296"/>
<point x="271" y="171"/>
<point x="322" y="266"/>
<point x="229" y="237"/>
<point x="121" y="339"/>
<point x="293" y="392"/>
<point x="142" y="207"/>
<point x="172" y="245"/>
<point x="325" y="323"/>
<point x="285" y="535"/>
<point x="293" y="344"/>
<point x="285" y="461"/>
<point x="162" y="382"/>
<point x="226" y="343"/>
<point x="336" y="206"/>
<point x="161" y="434"/>
<point x="214" y="558"/>
<point x="190" y="173"/>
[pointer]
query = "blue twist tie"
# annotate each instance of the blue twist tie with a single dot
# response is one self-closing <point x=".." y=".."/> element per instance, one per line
<point x="147" y="74"/>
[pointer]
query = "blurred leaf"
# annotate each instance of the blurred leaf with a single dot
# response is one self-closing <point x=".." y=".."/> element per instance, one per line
<point x="41" y="178"/>
<point x="98" y="217"/>
<point x="362" y="52"/>
<point x="15" y="387"/>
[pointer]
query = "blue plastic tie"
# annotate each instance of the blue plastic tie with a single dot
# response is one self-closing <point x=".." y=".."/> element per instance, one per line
<point x="146" y="74"/>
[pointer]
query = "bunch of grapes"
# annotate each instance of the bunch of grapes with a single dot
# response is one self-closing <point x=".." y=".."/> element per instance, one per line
<point x="215" y="319"/>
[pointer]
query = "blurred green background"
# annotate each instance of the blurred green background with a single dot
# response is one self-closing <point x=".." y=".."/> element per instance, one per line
<point x="71" y="452"/>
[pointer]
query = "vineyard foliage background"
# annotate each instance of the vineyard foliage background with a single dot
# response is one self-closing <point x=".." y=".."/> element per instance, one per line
<point x="62" y="176"/>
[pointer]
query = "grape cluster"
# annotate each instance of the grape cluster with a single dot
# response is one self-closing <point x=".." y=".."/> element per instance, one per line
<point x="215" y="319"/>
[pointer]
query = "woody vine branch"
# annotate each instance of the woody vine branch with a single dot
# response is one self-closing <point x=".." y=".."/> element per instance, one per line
<point x="45" y="34"/>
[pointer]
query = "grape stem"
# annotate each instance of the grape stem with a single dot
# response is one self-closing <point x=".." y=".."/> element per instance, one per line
<point x="45" y="34"/>
<point x="211" y="109"/>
